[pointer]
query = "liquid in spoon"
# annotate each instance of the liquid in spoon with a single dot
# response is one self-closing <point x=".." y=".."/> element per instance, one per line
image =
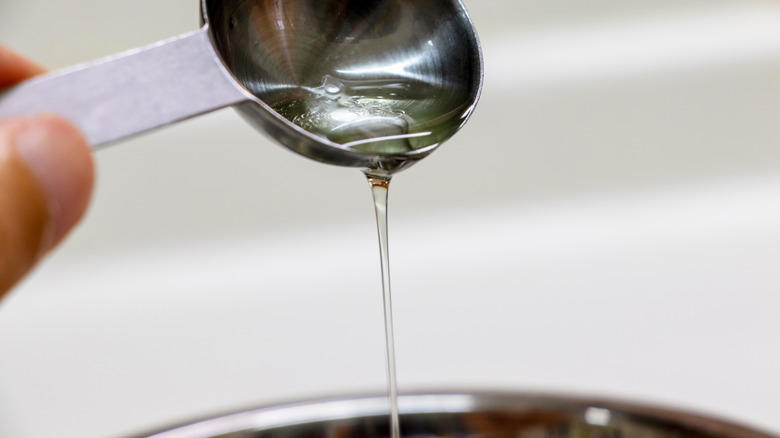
<point x="378" y="116"/>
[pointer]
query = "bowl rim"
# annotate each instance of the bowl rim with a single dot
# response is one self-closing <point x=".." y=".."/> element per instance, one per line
<point x="269" y="416"/>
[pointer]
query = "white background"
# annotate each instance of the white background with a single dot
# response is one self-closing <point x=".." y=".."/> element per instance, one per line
<point x="608" y="223"/>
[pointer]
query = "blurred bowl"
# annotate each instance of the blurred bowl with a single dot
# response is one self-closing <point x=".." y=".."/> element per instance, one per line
<point x="473" y="415"/>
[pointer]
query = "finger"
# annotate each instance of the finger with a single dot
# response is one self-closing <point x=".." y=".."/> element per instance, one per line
<point x="15" y="68"/>
<point x="46" y="177"/>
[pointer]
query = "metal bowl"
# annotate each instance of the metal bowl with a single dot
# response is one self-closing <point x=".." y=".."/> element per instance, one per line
<point x="472" y="415"/>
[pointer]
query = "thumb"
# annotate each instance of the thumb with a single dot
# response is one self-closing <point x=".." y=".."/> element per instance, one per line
<point x="46" y="176"/>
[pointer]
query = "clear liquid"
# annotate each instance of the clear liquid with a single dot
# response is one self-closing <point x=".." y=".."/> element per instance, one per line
<point x="376" y="116"/>
<point x="379" y="117"/>
<point x="379" y="189"/>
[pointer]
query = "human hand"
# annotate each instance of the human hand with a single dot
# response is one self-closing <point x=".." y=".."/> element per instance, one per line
<point x="46" y="177"/>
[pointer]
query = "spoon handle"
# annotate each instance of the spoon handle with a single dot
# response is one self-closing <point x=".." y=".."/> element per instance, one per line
<point x="133" y="92"/>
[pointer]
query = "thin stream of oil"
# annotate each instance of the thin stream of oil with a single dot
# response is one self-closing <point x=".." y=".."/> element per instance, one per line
<point x="379" y="190"/>
<point x="371" y="116"/>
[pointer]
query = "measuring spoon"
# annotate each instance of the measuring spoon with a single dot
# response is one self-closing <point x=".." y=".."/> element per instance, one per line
<point x="375" y="84"/>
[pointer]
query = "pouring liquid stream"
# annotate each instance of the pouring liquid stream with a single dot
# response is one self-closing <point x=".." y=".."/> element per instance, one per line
<point x="379" y="190"/>
<point x="369" y="116"/>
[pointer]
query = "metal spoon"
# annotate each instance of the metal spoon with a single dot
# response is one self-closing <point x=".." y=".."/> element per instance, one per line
<point x="375" y="84"/>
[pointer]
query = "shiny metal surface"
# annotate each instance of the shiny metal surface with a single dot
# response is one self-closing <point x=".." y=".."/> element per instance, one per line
<point x="411" y="72"/>
<point x="133" y="92"/>
<point x="419" y="58"/>
<point x="473" y="415"/>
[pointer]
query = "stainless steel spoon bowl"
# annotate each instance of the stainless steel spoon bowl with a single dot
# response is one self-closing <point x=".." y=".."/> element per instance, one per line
<point x="374" y="84"/>
<point x="463" y="415"/>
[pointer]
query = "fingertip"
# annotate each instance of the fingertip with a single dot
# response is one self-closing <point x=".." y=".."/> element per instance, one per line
<point x="16" y="68"/>
<point x="61" y="161"/>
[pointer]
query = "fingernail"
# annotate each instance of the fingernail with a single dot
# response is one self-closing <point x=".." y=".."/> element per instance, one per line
<point x="60" y="160"/>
